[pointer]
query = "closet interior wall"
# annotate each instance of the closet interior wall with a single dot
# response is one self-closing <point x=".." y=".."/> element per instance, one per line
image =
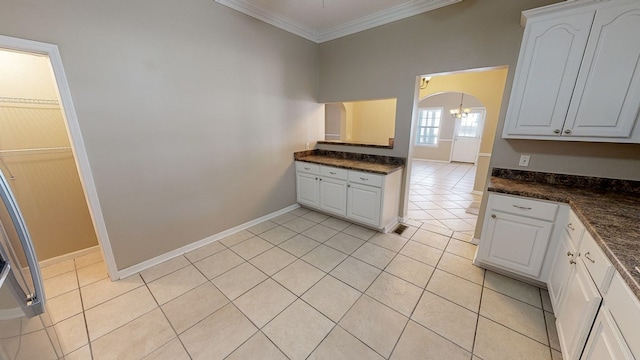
<point x="36" y="159"/>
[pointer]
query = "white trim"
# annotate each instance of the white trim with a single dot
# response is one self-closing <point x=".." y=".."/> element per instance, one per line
<point x="69" y="256"/>
<point x="383" y="17"/>
<point x="75" y="137"/>
<point x="131" y="270"/>
<point x="484" y="154"/>
<point x="477" y="192"/>
<point x="395" y="13"/>
<point x="429" y="160"/>
<point x="475" y="241"/>
<point x="558" y="9"/>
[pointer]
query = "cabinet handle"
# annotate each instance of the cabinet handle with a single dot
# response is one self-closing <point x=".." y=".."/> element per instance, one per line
<point x="320" y="179"/>
<point x="588" y="258"/>
<point x="570" y="226"/>
<point x="493" y="216"/>
<point x="569" y="253"/>
<point x="521" y="207"/>
<point x="332" y="173"/>
<point x="364" y="179"/>
<point x="572" y="262"/>
<point x="349" y="185"/>
<point x="306" y="168"/>
<point x="556" y="131"/>
<point x="567" y="131"/>
<point x="316" y="178"/>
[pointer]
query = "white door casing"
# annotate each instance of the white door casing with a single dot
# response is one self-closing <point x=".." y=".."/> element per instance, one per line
<point x="75" y="138"/>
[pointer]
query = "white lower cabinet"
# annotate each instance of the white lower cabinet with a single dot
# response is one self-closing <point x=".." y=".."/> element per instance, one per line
<point x="606" y="341"/>
<point x="597" y="318"/>
<point x="333" y="195"/>
<point x="363" y="203"/>
<point x="597" y="314"/>
<point x="564" y="257"/>
<point x="366" y="198"/>
<point x="308" y="190"/>
<point x="578" y="309"/>
<point x="561" y="270"/>
<point x="516" y="234"/>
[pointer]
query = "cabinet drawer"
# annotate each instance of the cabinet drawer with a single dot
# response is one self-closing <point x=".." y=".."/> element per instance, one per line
<point x="575" y="229"/>
<point x="525" y="207"/>
<point x="365" y="178"/>
<point x="307" y="167"/>
<point x="625" y="310"/>
<point x="599" y="267"/>
<point x="335" y="173"/>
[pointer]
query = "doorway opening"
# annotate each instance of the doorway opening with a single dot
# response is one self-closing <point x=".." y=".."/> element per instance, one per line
<point x="453" y="144"/>
<point x="43" y="156"/>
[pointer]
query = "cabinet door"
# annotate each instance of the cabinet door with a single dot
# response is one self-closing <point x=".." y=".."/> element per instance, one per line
<point x="547" y="70"/>
<point x="333" y="196"/>
<point x="579" y="304"/>
<point x="515" y="243"/>
<point x="607" y="95"/>
<point x="307" y="189"/>
<point x="363" y="204"/>
<point x="605" y="341"/>
<point x="560" y="270"/>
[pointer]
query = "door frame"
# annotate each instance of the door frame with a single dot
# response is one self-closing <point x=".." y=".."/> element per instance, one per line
<point x="75" y="137"/>
<point x="455" y="130"/>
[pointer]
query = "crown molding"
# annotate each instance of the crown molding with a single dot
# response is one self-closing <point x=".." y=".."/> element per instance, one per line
<point x="318" y="36"/>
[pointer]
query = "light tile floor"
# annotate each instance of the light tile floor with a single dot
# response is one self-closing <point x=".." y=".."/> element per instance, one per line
<point x="306" y="285"/>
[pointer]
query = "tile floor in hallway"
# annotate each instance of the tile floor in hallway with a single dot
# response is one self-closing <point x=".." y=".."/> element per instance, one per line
<point x="306" y="285"/>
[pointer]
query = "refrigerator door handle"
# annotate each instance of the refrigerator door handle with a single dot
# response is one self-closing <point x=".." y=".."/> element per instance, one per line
<point x="33" y="302"/>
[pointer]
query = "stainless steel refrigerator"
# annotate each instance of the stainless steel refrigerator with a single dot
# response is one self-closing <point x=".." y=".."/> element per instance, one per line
<point x="26" y="330"/>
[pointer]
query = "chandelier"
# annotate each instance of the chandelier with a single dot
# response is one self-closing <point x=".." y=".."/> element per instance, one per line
<point x="460" y="112"/>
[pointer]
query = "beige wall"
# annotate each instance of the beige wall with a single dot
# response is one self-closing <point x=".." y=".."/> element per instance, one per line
<point x="46" y="184"/>
<point x="384" y="62"/>
<point x="446" y="101"/>
<point x="21" y="76"/>
<point x="190" y="112"/>
<point x="373" y="121"/>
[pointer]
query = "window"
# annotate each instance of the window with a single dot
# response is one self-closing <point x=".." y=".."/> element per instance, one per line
<point x="428" y="126"/>
<point x="470" y="125"/>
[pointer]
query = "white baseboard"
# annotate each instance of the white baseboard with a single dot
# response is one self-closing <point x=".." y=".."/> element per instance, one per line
<point x="198" y="244"/>
<point x="438" y="161"/>
<point x="69" y="256"/>
<point x="475" y="241"/>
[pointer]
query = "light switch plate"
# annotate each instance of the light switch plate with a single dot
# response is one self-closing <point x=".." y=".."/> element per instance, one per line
<point x="524" y="160"/>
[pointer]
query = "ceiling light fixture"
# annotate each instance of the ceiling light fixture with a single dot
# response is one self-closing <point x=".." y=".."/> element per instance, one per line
<point x="424" y="83"/>
<point x="460" y="112"/>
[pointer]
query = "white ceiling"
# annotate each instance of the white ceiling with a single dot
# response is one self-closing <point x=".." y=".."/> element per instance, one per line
<point x="324" y="20"/>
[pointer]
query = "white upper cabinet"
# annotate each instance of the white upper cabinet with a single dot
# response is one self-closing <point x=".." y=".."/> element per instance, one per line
<point x="578" y="74"/>
<point x="607" y="94"/>
<point x="547" y="71"/>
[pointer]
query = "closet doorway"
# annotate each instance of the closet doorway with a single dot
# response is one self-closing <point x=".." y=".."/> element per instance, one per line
<point x="39" y="155"/>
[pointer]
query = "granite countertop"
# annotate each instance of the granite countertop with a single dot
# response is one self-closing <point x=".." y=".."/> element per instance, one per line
<point x="368" y="163"/>
<point x="611" y="217"/>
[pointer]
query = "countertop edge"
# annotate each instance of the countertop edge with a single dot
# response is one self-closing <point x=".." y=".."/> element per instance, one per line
<point x="566" y="198"/>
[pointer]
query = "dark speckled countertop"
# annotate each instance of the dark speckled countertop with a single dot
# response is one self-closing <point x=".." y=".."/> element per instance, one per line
<point x="609" y="209"/>
<point x="353" y="161"/>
